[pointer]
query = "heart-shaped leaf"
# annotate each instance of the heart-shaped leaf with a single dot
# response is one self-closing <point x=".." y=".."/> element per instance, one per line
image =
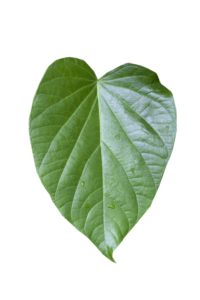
<point x="101" y="145"/>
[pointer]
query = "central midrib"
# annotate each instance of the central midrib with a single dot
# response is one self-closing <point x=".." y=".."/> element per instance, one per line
<point x="100" y="142"/>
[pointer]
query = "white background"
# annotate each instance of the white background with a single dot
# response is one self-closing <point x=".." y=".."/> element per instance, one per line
<point x="41" y="255"/>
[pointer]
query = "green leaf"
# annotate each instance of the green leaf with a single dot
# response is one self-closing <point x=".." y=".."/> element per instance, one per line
<point x="101" y="145"/>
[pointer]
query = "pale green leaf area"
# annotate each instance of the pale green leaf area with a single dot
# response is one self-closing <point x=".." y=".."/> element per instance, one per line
<point x="101" y="145"/>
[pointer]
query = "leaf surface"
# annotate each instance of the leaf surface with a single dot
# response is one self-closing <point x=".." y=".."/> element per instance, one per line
<point x="101" y="145"/>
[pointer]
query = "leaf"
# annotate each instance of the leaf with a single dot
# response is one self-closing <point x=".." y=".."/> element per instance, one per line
<point x="101" y="146"/>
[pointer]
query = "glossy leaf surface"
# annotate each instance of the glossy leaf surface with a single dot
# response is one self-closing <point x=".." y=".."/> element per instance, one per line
<point x="101" y="146"/>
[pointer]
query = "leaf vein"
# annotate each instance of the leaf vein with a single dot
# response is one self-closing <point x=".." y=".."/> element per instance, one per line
<point x="69" y="118"/>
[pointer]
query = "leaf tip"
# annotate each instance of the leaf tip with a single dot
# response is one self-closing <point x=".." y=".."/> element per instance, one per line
<point x="108" y="252"/>
<point x="110" y="257"/>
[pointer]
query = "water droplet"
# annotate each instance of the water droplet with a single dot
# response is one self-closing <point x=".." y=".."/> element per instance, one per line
<point x="82" y="183"/>
<point x="146" y="132"/>
<point x="132" y="170"/>
<point x="117" y="136"/>
<point x="111" y="205"/>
